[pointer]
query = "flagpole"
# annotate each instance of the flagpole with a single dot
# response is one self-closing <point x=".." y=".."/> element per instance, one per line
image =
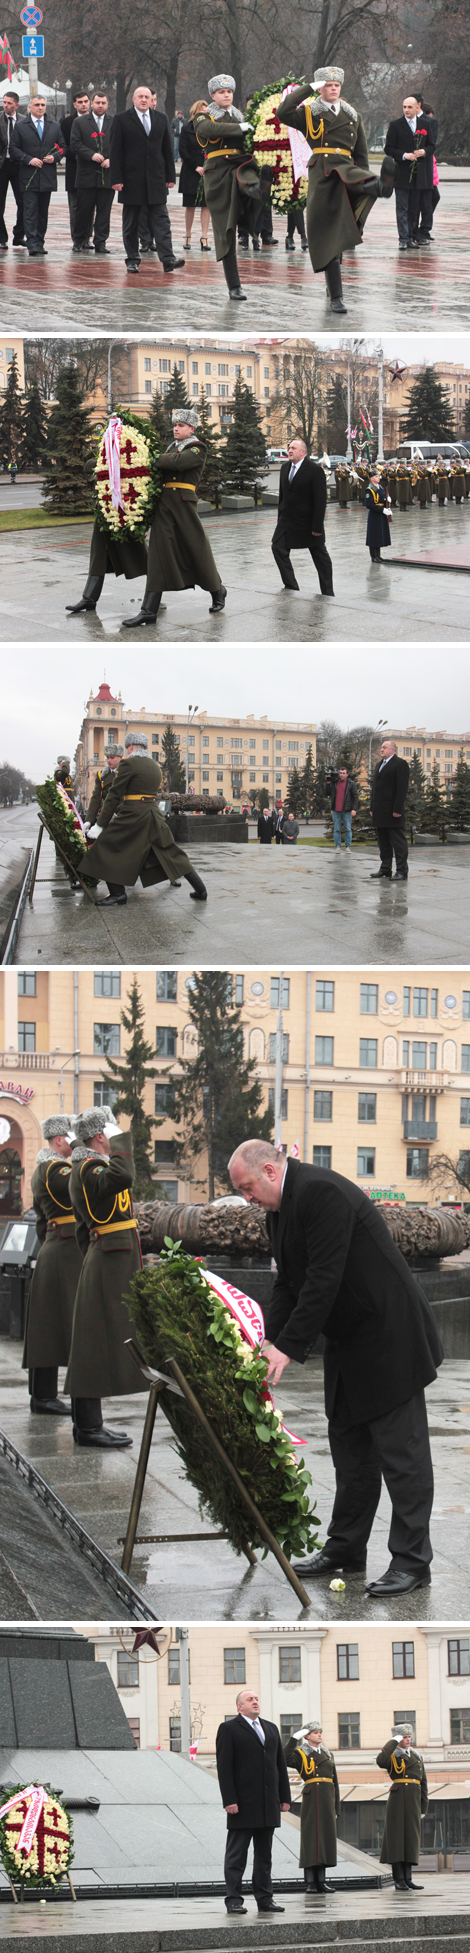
<point x="380" y="358"/>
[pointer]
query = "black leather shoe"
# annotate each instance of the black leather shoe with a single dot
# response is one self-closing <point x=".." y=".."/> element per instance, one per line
<point x="175" y="264"/>
<point x="326" y="1887"/>
<point x="102" y="1439"/>
<point x="381" y="875"/>
<point x="235" y="1905"/>
<point x="399" y="876"/>
<point x="85" y="604"/>
<point x="271" y="1907"/>
<point x="218" y="600"/>
<point x="290" y="246"/>
<point x="111" y="902"/>
<point x="323" y="1562"/>
<point x="237" y="293"/>
<point x="132" y="267"/>
<point x="256" y="244"/>
<point x="396" y="1582"/>
<point x="411" y="1887"/>
<point x="400" y="1885"/>
<point x="51" y="1407"/>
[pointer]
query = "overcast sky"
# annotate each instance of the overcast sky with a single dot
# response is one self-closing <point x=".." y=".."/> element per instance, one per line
<point x="404" y="684"/>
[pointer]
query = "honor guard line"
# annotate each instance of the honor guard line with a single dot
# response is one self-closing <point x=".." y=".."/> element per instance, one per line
<point x="159" y="1382"/>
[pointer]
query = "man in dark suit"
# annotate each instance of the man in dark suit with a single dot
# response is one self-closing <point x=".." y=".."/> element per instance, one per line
<point x="36" y="146"/>
<point x="340" y="1275"/>
<point x="255" y="1788"/>
<point x="90" y="143"/>
<point x="409" y="141"/>
<point x="389" y="791"/>
<point x="266" y="827"/>
<point x="427" y="199"/>
<point x="300" y="520"/>
<point x="142" y="171"/>
<point x="9" y="172"/>
<point x="80" y="106"/>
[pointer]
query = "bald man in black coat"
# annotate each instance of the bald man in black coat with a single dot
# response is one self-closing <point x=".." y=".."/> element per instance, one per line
<point x="389" y="791"/>
<point x="301" y="517"/>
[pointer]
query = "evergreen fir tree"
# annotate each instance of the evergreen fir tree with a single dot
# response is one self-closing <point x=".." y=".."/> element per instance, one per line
<point x="460" y="798"/>
<point x="336" y="417"/>
<point x="434" y="810"/>
<point x="68" y="485"/>
<point x="212" y="473"/>
<point x="177" y="395"/>
<point x="260" y="798"/>
<point x="429" y="414"/>
<point x="131" y="1074"/>
<point x="294" y="795"/>
<point x="309" y="784"/>
<point x="245" y="447"/>
<point x="218" y="1097"/>
<point x="175" y="772"/>
<point x="416" y="796"/>
<point x="33" y="429"/>
<point x="321" y="786"/>
<point x="160" y="419"/>
<point x="466" y="418"/>
<point x="11" y="415"/>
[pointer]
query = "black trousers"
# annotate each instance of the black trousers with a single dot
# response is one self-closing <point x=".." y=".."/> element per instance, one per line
<point x="145" y="232"/>
<point x="87" y="1413"/>
<point x="406" y="199"/>
<point x="159" y="224"/>
<point x="396" y="1447"/>
<point x="72" y="203"/>
<point x="318" y="551"/>
<point x="392" y="841"/>
<point x="10" y="174"/>
<point x="296" y="221"/>
<point x="42" y="1384"/>
<point x="424" y="213"/>
<point x="36" y="212"/>
<point x="236" y="1854"/>
<point x="93" y="211"/>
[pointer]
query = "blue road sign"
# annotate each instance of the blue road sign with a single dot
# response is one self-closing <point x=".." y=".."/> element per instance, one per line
<point x="33" y="44"/>
<point x="31" y="16"/>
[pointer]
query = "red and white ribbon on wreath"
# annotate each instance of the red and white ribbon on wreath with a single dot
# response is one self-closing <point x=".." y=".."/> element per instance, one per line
<point x="28" y="1833"/>
<point x="112" y="448"/>
<point x="72" y="809"/>
<point x="299" y="148"/>
<point x="250" y="1319"/>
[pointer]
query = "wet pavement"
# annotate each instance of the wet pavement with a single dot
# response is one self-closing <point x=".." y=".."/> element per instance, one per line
<point x="435" y="1917"/>
<point x="429" y="288"/>
<point x="43" y="570"/>
<point x="202" y="1578"/>
<point x="306" y="906"/>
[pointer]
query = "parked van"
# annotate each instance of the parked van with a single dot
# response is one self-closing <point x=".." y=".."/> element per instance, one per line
<point x="429" y="450"/>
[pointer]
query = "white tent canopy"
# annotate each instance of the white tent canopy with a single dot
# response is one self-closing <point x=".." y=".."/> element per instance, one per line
<point x="20" y="83"/>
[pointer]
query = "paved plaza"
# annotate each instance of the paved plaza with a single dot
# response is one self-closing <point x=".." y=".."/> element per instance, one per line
<point x="202" y="1578"/>
<point x="44" y="569"/>
<point x="383" y="290"/>
<point x="436" y="1918"/>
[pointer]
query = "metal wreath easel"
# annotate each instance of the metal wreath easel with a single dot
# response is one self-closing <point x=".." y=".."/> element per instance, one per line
<point x="38" y="1888"/>
<point x="178" y="1385"/>
<point x="60" y="851"/>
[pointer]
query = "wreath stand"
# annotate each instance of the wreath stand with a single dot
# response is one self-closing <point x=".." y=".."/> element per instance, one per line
<point x="23" y="1881"/>
<point x="159" y="1382"/>
<point x="43" y="827"/>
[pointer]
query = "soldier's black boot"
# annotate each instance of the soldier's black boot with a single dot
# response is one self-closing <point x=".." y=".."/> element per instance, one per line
<point x="199" y="891"/>
<point x="231" y="275"/>
<point x="218" y="599"/>
<point x="43" y="1392"/>
<point x="387" y="180"/>
<point x="409" y="1880"/>
<point x="309" y="1878"/>
<point x="398" y="1871"/>
<point x="334" y="285"/>
<point x="89" y="1430"/>
<point x="117" y="896"/>
<point x="148" y="613"/>
<point x="88" y="601"/>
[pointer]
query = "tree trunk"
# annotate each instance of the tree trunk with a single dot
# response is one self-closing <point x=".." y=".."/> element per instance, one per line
<point x="171" y="80"/>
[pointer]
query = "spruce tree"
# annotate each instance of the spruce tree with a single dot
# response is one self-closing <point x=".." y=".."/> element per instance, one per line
<point x="294" y="795"/>
<point x="466" y="418"/>
<point x="416" y="796"/>
<point x="33" y="429"/>
<point x="308" y="783"/>
<point x="218" y="1097"/>
<point x="245" y="447"/>
<point x="11" y="415"/>
<point x="177" y="395"/>
<point x="175" y="772"/>
<point x="68" y="485"/>
<point x="212" y="473"/>
<point x="434" y="811"/>
<point x="429" y="414"/>
<point x="460" y="799"/>
<point x="160" y="419"/>
<point x="336" y="417"/>
<point x="131" y="1074"/>
<point x="321" y="786"/>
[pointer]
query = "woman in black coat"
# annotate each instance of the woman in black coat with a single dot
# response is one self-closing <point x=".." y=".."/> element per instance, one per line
<point x="191" y="183"/>
<point x="378" y="531"/>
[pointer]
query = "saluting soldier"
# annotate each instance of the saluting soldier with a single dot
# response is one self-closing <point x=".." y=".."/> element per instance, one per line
<point x="307" y="1754"/>
<point x="341" y="187"/>
<point x="131" y="838"/>
<point x="231" y="179"/>
<point x="103" y="781"/>
<point x="407" y="1803"/>
<point x="101" y="1178"/>
<point x="180" y="554"/>
<point x="342" y="484"/>
<point x="62" y="775"/>
<point x="55" y="1280"/>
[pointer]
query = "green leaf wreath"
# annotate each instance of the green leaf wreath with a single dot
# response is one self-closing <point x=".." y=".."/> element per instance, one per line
<point x="177" y="1314"/>
<point x="24" y="1872"/>
<point x="263" y="144"/>
<point x="64" y="829"/>
<point x="137" y="529"/>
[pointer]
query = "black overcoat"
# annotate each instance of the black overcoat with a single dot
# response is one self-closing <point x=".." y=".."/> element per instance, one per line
<point x="401" y="141"/>
<point x="86" y="139"/>
<point x="389" y="790"/>
<point x="190" y="186"/>
<point x="251" y="1775"/>
<point x="378" y="531"/>
<point x="25" y="143"/>
<point x="266" y="829"/>
<point x="341" y="1275"/>
<point x="143" y="164"/>
<point x="302" y="502"/>
<point x="65" y="126"/>
<point x="180" y="554"/>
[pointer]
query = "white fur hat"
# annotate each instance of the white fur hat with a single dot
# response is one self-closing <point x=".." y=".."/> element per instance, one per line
<point x="136" y="739"/>
<point x="93" y="1121"/>
<point x="221" y="81"/>
<point x="327" y="74"/>
<point x="57" y="1126"/>
<point x="188" y="416"/>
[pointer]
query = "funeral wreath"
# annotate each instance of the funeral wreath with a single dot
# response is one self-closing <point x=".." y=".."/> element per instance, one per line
<point x="36" y="1835"/>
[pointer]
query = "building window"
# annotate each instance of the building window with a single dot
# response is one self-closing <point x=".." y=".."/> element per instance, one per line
<point x="239" y="989"/>
<point x="420" y="1003"/>
<point x="459" y="1657"/>
<point x="127" y="1670"/>
<point x="205" y="739"/>
<point x="275" y="987"/>
<point x="107" y="983"/>
<point x="322" y="1156"/>
<point x="369" y="999"/>
<point x="205" y="775"/>
<point x="272" y="1047"/>
<point x="290" y="1665"/>
<point x="147" y="366"/>
<point x="107" y="1040"/>
<point x="406" y="1000"/>
<point x="289" y="1724"/>
<point x="324" y="1051"/>
<point x="460" y="1725"/>
<point x="134" y="1726"/>
<point x="103" y="1093"/>
<point x="419" y="1055"/>
<point x="165" y="1100"/>
<point x="234" y="1666"/>
<point x="148" y="386"/>
<point x="284" y="1101"/>
<point x="173" y="1667"/>
<point x="167" y="986"/>
<point x="368" y="1052"/>
<point x="403" y="1655"/>
<point x="432" y="1057"/>
<point x="349" y="1732"/>
<point x="465" y="1057"/>
<point x="365" y="1162"/>
<point x="465" y="1003"/>
<point x="465" y="1112"/>
<point x="323" y="1105"/>
<point x="166" y="1041"/>
<point x="26" y="1037"/>
<point x="27" y="983"/>
<point x="324" y="996"/>
<point x="164" y="1151"/>
<point x="347" y="1658"/>
<point x="367" y="1108"/>
<point x="417" y="1158"/>
<point x="406" y="1715"/>
<point x="434" y="1001"/>
<point x="175" y="1734"/>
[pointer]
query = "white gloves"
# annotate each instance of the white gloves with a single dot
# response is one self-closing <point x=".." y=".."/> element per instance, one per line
<point x="71" y="1135"/>
<point x="94" y="831"/>
<point x="111" y="1131"/>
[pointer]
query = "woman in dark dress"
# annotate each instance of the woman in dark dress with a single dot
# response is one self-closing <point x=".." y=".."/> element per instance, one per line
<point x="191" y="184"/>
<point x="378" y="531"/>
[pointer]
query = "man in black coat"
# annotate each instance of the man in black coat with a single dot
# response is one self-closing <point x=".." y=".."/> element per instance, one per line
<point x="300" y="520"/>
<point x="389" y="791"/>
<point x="340" y="1275"/>
<point x="36" y="146"/>
<point x="266" y="827"/>
<point x="142" y="171"/>
<point x="90" y="144"/>
<point x="9" y="172"/>
<point x="80" y="106"/>
<point x="409" y="141"/>
<point x="255" y="1788"/>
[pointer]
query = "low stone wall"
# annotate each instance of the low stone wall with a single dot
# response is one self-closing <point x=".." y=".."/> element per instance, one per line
<point x="207" y="827"/>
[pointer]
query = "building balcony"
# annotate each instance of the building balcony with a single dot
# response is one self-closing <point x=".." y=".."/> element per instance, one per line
<point x="422" y="1081"/>
<point x="420" y="1130"/>
<point x="30" y="1060"/>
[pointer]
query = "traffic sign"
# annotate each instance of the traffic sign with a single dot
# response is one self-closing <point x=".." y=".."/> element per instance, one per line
<point x="33" y="47"/>
<point x="31" y="16"/>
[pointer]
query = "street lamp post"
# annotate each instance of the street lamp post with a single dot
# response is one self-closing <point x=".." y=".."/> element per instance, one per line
<point x="380" y="722"/>
<point x="349" y="452"/>
<point x="380" y="358"/>
<point x="192" y="709"/>
<point x="278" y="1083"/>
<point x="67" y="1061"/>
<point x="125" y="349"/>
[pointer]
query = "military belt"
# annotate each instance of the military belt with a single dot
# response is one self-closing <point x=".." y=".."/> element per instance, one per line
<point x="318" y="1780"/>
<point x="112" y="1227"/>
<point x="331" y="152"/>
<point x="68" y="1216"/>
<point x="139" y="796"/>
<point x="210" y="153"/>
<point x="181" y="484"/>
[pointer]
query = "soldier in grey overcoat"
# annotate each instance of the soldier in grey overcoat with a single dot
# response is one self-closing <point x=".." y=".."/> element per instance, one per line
<point x="407" y="1804"/>
<point x="54" y="1285"/>
<point x="107" y="1235"/>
